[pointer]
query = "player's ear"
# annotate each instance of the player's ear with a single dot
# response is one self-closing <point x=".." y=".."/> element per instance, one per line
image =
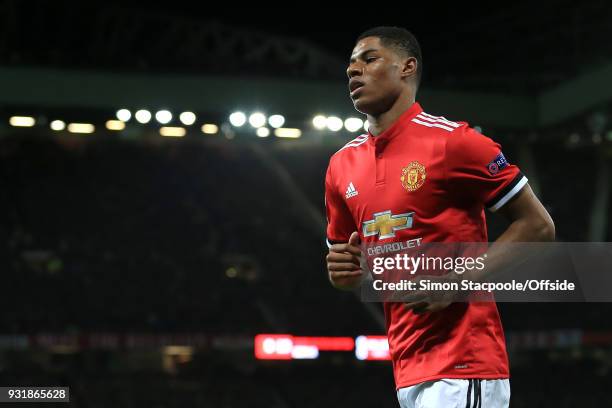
<point x="409" y="67"/>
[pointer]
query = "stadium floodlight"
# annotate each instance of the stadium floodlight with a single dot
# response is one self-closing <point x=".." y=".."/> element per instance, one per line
<point x="170" y="131"/>
<point x="209" y="128"/>
<point x="288" y="133"/>
<point x="115" y="125"/>
<point x="187" y="118"/>
<point x="163" y="116"/>
<point x="22" y="121"/>
<point x="237" y="119"/>
<point x="257" y="120"/>
<point x="143" y="116"/>
<point x="124" y="115"/>
<point x="81" y="128"/>
<point x="353" y="124"/>
<point x="263" y="132"/>
<point x="334" y="123"/>
<point x="276" y="121"/>
<point x="319" y="122"/>
<point x="58" y="125"/>
<point x="366" y="125"/>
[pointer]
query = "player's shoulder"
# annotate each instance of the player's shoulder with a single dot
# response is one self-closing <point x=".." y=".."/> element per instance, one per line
<point x="438" y="125"/>
<point x="356" y="146"/>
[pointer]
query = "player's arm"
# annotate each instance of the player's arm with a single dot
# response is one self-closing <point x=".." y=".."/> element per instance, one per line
<point x="529" y="222"/>
<point x="502" y="188"/>
<point x="344" y="255"/>
<point x="482" y="176"/>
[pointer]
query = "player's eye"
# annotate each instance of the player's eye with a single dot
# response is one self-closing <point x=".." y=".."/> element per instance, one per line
<point x="370" y="59"/>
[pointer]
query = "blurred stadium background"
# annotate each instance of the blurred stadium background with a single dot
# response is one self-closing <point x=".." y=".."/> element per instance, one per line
<point x="162" y="195"/>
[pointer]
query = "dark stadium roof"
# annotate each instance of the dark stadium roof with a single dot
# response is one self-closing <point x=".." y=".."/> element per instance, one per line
<point x="519" y="47"/>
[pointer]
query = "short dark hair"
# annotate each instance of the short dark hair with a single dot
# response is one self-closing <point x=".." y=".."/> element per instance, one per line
<point x="399" y="39"/>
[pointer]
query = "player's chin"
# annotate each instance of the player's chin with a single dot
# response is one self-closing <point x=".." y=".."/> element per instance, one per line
<point x="363" y="105"/>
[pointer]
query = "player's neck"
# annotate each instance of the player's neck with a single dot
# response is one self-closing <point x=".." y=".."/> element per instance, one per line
<point x="379" y="123"/>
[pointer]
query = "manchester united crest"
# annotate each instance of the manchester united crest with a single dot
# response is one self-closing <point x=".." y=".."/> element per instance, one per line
<point x="413" y="176"/>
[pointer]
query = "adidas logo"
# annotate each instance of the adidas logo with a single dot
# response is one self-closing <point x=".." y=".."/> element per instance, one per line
<point x="351" y="191"/>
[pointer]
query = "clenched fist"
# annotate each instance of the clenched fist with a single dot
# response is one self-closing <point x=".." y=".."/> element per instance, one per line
<point x="344" y="264"/>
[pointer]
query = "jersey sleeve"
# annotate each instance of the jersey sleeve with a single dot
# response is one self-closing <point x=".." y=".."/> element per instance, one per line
<point x="478" y="171"/>
<point x="340" y="223"/>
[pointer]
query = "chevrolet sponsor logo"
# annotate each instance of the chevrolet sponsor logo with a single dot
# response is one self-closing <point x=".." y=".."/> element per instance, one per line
<point x="385" y="224"/>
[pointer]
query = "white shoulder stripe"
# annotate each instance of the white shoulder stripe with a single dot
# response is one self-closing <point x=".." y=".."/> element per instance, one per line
<point x="430" y="118"/>
<point x="436" y="117"/>
<point x="444" y="122"/>
<point x="438" y="125"/>
<point x="359" y="140"/>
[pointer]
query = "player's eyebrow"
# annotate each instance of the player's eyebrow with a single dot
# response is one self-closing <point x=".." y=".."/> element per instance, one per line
<point x="361" y="54"/>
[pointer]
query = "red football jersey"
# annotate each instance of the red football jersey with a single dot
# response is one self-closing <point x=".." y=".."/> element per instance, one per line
<point x="437" y="175"/>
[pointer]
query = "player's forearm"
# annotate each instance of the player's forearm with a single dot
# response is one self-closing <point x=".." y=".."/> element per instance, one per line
<point x="501" y="255"/>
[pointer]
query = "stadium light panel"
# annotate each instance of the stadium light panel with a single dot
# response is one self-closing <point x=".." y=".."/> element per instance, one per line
<point x="187" y="118"/>
<point x="237" y="119"/>
<point x="319" y="122"/>
<point x="124" y="115"/>
<point x="143" y="116"/>
<point x="171" y="131"/>
<point x="163" y="116"/>
<point x="81" y="128"/>
<point x="22" y="121"/>
<point x="334" y="123"/>
<point x="115" y="125"/>
<point x="276" y="121"/>
<point x="290" y="133"/>
<point x="353" y="124"/>
<point x="257" y="120"/>
<point x="263" y="132"/>
<point x="58" y="125"/>
<point x="209" y="128"/>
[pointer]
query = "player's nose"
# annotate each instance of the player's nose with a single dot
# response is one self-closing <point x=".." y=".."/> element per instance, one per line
<point x="353" y="70"/>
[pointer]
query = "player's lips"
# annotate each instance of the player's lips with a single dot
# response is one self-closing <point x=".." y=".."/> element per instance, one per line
<point x="354" y="86"/>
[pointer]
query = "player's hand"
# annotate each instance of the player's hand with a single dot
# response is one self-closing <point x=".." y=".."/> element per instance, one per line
<point x="422" y="301"/>
<point x="344" y="264"/>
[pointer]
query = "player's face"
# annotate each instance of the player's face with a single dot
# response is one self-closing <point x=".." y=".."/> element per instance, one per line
<point x="375" y="76"/>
